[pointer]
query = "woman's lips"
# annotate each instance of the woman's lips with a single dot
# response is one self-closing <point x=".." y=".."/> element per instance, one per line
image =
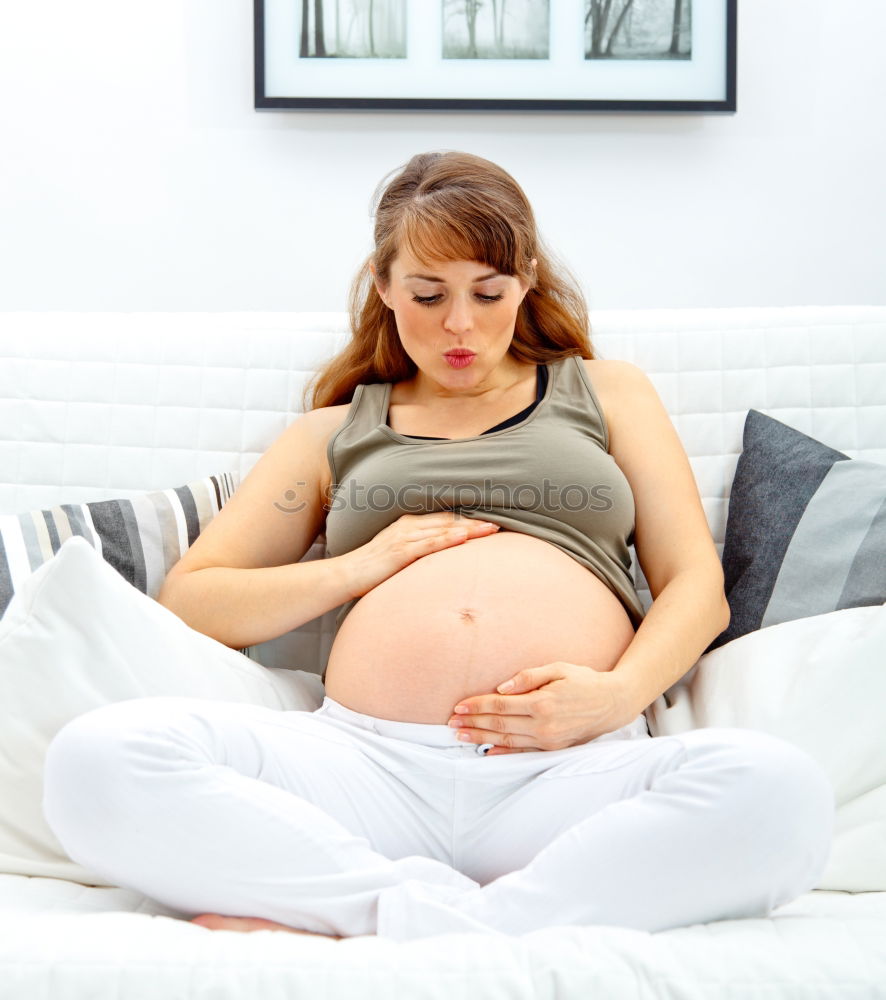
<point x="459" y="359"/>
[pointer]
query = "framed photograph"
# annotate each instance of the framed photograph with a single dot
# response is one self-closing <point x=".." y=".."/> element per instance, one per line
<point x="496" y="55"/>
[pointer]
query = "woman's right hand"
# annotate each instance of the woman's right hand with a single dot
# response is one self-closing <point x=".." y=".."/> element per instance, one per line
<point x="409" y="538"/>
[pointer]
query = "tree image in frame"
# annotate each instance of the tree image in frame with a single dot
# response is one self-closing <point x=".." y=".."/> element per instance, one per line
<point x="352" y="29"/>
<point x="638" y="29"/>
<point x="496" y="29"/>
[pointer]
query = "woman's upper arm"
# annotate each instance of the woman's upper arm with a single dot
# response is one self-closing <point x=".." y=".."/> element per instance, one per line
<point x="278" y="510"/>
<point x="671" y="532"/>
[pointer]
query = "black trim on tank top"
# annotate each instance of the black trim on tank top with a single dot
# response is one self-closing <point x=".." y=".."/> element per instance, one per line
<point x="541" y="385"/>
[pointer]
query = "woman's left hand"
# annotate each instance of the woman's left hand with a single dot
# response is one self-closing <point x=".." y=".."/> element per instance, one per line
<point x="546" y="708"/>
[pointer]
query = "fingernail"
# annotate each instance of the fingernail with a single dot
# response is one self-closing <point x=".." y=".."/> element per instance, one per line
<point x="464" y="737"/>
<point x="455" y="723"/>
<point x="461" y="709"/>
<point x="504" y="688"/>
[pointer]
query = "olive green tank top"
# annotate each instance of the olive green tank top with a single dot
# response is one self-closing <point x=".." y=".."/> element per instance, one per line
<point x="549" y="475"/>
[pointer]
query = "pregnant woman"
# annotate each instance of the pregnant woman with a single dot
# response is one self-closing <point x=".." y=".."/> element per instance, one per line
<point x="480" y="761"/>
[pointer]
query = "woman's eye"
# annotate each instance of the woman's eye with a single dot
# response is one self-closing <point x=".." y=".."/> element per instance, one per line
<point x="430" y="300"/>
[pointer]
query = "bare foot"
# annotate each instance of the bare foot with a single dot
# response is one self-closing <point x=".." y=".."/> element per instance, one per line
<point x="216" y="922"/>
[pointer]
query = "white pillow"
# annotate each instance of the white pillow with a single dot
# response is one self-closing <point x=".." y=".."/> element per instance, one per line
<point x="819" y="683"/>
<point x="76" y="636"/>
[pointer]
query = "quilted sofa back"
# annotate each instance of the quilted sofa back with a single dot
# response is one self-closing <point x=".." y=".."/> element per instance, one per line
<point x="98" y="405"/>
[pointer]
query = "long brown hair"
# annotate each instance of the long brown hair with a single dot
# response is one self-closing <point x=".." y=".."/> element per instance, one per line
<point x="454" y="206"/>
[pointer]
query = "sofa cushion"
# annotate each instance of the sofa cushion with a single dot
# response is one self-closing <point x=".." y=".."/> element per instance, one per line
<point x="805" y="533"/>
<point x="142" y="537"/>
<point x="819" y="683"/>
<point x="77" y="636"/>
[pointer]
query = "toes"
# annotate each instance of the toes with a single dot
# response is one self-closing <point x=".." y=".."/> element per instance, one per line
<point x="217" y="922"/>
<point x="212" y="921"/>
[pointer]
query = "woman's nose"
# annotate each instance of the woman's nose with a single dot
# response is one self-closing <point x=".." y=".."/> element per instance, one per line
<point x="459" y="318"/>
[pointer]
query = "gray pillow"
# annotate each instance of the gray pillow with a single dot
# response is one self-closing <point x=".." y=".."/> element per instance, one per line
<point x="806" y="531"/>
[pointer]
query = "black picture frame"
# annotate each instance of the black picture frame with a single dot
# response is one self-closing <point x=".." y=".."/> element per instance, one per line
<point x="722" y="50"/>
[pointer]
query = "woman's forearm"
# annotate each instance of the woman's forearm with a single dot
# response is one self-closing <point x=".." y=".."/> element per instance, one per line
<point x="684" y="618"/>
<point x="241" y="607"/>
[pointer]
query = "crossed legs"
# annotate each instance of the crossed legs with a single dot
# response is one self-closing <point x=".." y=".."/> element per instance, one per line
<point x="291" y="818"/>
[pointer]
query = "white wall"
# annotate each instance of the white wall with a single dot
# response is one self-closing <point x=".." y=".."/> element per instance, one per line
<point x="135" y="175"/>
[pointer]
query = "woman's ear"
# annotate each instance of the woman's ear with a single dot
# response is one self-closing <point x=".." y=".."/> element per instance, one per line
<point x="379" y="287"/>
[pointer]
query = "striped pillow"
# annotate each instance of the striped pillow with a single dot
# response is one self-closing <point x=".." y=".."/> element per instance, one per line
<point x="806" y="531"/>
<point x="142" y="538"/>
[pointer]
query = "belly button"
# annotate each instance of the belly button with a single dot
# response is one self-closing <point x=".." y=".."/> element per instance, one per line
<point x="467" y="614"/>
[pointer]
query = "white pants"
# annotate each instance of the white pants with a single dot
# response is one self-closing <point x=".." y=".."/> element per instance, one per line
<point x="339" y="823"/>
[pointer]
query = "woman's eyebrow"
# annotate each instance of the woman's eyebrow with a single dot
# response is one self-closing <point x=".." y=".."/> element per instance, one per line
<point x="429" y="277"/>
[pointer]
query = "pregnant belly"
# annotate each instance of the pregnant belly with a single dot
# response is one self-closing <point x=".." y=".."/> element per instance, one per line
<point x="459" y="622"/>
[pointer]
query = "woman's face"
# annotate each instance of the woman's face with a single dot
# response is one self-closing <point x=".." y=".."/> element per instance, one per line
<point x="455" y="319"/>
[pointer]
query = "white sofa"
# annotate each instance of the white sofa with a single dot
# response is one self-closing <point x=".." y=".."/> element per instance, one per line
<point x="96" y="406"/>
